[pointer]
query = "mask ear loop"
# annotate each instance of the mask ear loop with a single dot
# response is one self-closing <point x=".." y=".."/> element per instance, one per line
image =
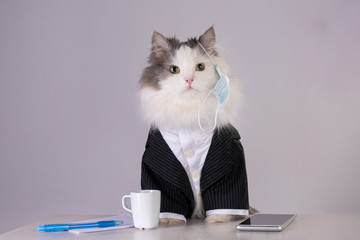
<point x="207" y="53"/>
<point x="203" y="102"/>
<point x="207" y="96"/>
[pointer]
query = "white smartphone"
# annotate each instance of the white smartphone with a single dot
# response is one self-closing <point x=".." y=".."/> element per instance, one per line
<point x="266" y="222"/>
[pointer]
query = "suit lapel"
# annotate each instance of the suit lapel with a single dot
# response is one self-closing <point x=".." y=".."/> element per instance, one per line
<point x="159" y="157"/>
<point x="220" y="157"/>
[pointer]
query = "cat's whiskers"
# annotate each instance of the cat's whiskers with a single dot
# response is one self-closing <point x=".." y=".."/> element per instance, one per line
<point x="198" y="87"/>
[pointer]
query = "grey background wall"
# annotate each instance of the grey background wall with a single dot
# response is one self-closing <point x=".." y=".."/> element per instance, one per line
<point x="71" y="135"/>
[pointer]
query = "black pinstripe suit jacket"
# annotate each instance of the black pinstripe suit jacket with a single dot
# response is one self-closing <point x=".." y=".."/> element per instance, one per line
<point x="223" y="181"/>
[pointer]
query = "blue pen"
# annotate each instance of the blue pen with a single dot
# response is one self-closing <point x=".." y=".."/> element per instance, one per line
<point x="66" y="227"/>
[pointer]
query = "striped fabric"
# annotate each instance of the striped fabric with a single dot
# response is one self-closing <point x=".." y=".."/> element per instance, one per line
<point x="223" y="179"/>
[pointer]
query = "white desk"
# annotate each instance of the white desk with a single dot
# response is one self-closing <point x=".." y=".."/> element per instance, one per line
<point x="304" y="227"/>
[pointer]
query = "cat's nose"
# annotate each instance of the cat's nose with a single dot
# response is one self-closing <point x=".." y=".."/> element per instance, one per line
<point x="189" y="81"/>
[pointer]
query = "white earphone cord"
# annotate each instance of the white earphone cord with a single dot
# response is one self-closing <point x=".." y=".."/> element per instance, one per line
<point x="199" y="113"/>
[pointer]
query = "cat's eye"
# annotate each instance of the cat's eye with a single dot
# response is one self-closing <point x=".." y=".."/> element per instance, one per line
<point x="174" y="69"/>
<point x="200" y="67"/>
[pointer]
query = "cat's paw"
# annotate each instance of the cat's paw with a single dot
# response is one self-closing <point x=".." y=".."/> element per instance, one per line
<point x="252" y="211"/>
<point x="222" y="218"/>
<point x="171" y="221"/>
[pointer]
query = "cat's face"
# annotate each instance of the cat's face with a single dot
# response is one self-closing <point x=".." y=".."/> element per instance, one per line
<point x="178" y="79"/>
<point x="181" y="69"/>
<point x="188" y="74"/>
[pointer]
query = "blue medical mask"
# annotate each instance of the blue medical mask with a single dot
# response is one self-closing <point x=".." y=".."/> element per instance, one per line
<point x="221" y="90"/>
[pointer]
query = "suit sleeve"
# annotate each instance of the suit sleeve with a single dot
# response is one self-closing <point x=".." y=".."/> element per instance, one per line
<point x="159" y="172"/>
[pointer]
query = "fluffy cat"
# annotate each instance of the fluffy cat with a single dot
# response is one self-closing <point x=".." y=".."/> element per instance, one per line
<point x="168" y="100"/>
<point x="209" y="180"/>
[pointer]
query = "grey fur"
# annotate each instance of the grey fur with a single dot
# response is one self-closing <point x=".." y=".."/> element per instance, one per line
<point x="163" y="50"/>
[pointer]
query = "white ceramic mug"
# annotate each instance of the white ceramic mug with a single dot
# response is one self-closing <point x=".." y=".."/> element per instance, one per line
<point x="145" y="208"/>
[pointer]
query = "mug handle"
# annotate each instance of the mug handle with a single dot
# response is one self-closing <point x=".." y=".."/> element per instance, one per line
<point x="124" y="203"/>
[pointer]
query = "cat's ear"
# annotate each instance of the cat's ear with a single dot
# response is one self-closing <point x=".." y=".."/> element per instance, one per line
<point x="208" y="40"/>
<point x="160" y="45"/>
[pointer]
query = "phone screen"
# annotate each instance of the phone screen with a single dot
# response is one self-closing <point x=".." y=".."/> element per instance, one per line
<point x="267" y="219"/>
